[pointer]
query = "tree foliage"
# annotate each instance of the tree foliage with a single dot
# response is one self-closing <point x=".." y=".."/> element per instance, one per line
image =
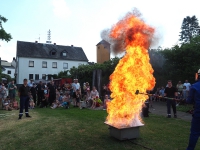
<point x="189" y="29"/>
<point x="6" y="77"/>
<point x="182" y="62"/>
<point x="85" y="72"/>
<point x="157" y="61"/>
<point x="3" y="34"/>
<point x="0" y="73"/>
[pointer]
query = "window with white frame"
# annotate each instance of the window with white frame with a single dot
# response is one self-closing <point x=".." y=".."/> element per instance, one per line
<point x="54" y="64"/>
<point x="44" y="64"/>
<point x="64" y="54"/>
<point x="31" y="63"/>
<point x="65" y="65"/>
<point x="8" y="72"/>
<point x="36" y="76"/>
<point x="44" y="76"/>
<point x="30" y="76"/>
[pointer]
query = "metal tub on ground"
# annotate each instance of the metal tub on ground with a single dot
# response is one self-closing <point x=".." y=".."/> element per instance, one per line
<point x="124" y="133"/>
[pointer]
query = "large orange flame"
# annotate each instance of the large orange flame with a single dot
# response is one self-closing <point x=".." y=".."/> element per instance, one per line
<point x="133" y="72"/>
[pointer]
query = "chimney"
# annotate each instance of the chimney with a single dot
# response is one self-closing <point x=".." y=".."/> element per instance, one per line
<point x="72" y="45"/>
<point x="54" y="43"/>
<point x="36" y="41"/>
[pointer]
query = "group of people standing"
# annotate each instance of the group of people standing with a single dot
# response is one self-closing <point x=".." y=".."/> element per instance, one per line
<point x="7" y="95"/>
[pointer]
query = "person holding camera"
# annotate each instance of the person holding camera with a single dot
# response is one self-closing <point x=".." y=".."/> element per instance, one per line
<point x="12" y="90"/>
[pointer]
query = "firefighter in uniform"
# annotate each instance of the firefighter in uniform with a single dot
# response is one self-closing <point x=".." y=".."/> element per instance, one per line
<point x="24" y="93"/>
<point x="194" y="98"/>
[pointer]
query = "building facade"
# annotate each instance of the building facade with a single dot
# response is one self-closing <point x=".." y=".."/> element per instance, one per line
<point x="39" y="60"/>
<point x="103" y="51"/>
<point x="8" y="68"/>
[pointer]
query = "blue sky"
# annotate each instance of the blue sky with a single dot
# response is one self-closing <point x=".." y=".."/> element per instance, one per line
<point x="80" y="22"/>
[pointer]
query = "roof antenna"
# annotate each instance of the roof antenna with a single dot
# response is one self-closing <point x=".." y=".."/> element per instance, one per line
<point x="48" y="36"/>
<point x="38" y="38"/>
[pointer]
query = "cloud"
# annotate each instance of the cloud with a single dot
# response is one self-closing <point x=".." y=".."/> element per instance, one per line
<point x="61" y="9"/>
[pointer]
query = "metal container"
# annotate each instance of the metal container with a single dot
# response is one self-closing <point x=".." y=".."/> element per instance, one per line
<point x="124" y="133"/>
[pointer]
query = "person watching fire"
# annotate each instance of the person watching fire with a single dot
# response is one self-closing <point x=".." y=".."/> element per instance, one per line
<point x="170" y="93"/>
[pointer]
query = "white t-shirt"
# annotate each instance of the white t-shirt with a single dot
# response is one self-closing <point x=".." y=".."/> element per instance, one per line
<point x="94" y="93"/>
<point x="187" y="86"/>
<point x="30" y="84"/>
<point x="76" y="86"/>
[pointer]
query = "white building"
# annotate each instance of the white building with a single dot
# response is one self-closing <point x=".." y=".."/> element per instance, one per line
<point x="8" y="68"/>
<point x="38" y="60"/>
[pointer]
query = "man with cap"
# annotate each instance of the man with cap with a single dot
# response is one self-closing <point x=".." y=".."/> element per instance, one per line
<point x="194" y="98"/>
<point x="24" y="93"/>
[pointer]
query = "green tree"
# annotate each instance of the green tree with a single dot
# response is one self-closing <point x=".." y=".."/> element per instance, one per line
<point x="182" y="62"/>
<point x="0" y="73"/>
<point x="3" y="34"/>
<point x="64" y="74"/>
<point x="157" y="61"/>
<point x="7" y="77"/>
<point x="189" y="29"/>
<point x="85" y="72"/>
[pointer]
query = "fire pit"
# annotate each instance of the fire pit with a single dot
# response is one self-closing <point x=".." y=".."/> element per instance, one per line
<point x="124" y="133"/>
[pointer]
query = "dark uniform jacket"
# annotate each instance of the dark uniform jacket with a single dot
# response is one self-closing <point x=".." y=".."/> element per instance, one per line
<point x="194" y="97"/>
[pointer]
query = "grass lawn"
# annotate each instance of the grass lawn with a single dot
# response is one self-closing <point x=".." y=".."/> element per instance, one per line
<point x="74" y="129"/>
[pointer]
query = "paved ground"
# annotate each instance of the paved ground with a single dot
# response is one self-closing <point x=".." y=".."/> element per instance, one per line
<point x="160" y="108"/>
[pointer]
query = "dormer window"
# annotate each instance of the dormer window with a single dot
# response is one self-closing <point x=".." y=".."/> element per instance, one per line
<point x="63" y="53"/>
<point x="53" y="53"/>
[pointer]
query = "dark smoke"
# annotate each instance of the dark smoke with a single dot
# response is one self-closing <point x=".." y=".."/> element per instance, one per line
<point x="118" y="45"/>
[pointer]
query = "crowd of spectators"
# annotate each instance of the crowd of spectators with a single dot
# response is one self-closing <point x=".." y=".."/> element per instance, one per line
<point x="43" y="95"/>
<point x="182" y="90"/>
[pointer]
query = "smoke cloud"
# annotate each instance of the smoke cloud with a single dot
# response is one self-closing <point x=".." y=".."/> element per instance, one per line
<point x="118" y="44"/>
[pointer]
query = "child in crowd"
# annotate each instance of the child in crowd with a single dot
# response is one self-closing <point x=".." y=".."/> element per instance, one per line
<point x="31" y="102"/>
<point x="94" y="103"/>
<point x="45" y="90"/>
<point x="78" y="97"/>
<point x="7" y="104"/>
<point x="88" y="98"/>
<point x="106" y="100"/>
<point x="66" y="100"/>
<point x="184" y="93"/>
<point x="83" y="102"/>
<point x="44" y="102"/>
<point x="55" y="104"/>
<point x="60" y="99"/>
<point x="15" y="104"/>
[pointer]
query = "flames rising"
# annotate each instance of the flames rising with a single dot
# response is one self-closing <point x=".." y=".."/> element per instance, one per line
<point x="133" y="72"/>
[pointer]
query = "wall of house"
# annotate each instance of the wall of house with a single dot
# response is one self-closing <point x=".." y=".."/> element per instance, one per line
<point x="12" y="70"/>
<point x="103" y="54"/>
<point x="23" y="70"/>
